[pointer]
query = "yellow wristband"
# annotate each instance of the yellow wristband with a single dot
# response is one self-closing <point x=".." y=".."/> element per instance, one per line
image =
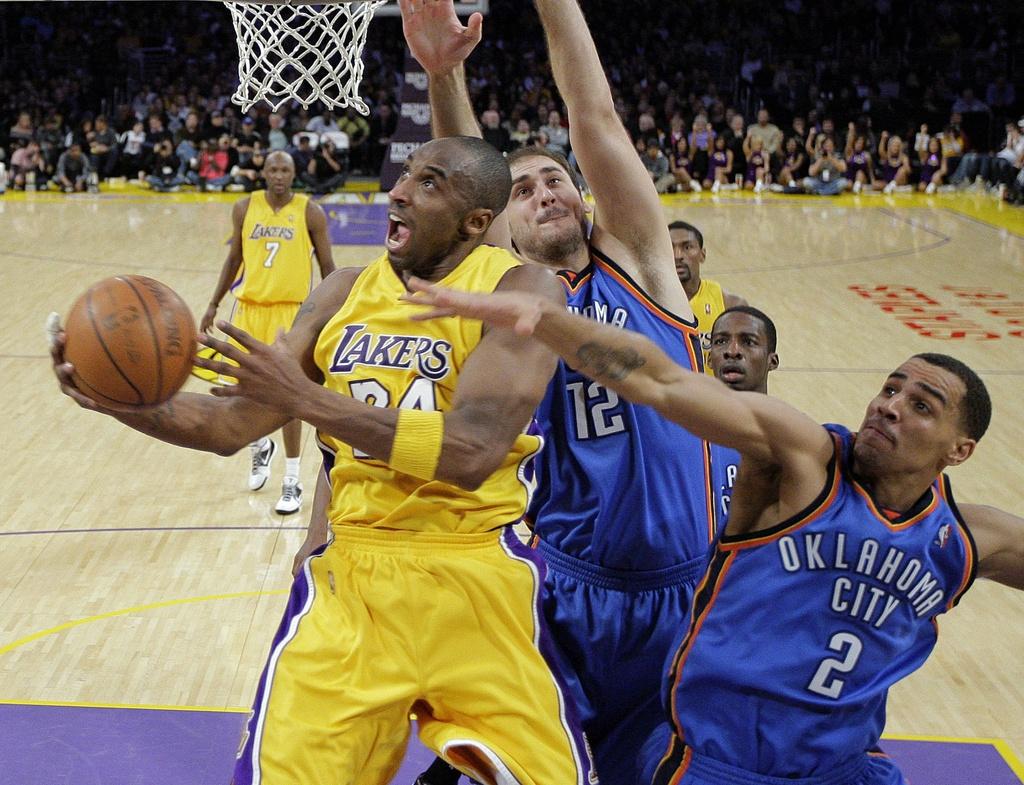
<point x="417" y="445"/>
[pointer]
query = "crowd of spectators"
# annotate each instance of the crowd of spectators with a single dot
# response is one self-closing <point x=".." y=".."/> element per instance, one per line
<point x="867" y="94"/>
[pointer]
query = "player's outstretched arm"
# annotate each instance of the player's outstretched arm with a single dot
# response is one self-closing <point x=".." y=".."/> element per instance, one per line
<point x="229" y="270"/>
<point x="999" y="537"/>
<point x="628" y="207"/>
<point x="499" y="387"/>
<point x="441" y="44"/>
<point x="757" y="425"/>
<point x="222" y="424"/>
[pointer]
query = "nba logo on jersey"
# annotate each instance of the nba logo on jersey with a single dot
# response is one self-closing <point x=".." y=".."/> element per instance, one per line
<point x="707" y="308"/>
<point x="943" y="536"/>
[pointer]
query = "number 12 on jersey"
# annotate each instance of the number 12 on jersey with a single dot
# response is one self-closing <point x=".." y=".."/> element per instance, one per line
<point x="592" y="405"/>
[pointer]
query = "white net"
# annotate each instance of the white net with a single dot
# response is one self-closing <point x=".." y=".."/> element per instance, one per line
<point x="304" y="52"/>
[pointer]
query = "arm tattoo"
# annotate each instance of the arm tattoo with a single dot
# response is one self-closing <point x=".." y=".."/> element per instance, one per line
<point x="607" y="361"/>
<point x="307" y="308"/>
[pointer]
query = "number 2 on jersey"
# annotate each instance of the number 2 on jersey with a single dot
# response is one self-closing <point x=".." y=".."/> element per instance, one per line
<point x="820" y="682"/>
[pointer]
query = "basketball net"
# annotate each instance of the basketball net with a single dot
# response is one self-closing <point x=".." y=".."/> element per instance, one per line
<point x="301" y="52"/>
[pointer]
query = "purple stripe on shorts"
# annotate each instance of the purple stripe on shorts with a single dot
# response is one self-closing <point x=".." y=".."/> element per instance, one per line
<point x="556" y="660"/>
<point x="298" y="602"/>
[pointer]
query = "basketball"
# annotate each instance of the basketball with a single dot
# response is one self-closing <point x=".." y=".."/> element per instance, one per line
<point x="131" y="340"/>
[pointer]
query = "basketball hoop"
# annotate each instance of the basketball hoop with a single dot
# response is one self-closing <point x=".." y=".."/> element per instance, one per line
<point x="302" y="51"/>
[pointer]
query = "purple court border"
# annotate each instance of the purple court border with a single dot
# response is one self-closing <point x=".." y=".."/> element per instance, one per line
<point x="82" y="745"/>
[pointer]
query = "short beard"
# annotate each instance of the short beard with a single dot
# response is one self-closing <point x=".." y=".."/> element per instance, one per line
<point x="554" y="252"/>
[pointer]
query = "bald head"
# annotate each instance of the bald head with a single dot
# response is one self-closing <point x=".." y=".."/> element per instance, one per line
<point x="480" y="173"/>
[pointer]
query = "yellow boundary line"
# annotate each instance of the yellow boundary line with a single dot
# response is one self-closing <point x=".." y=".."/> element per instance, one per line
<point x="134" y="609"/>
<point x="144" y="707"/>
<point x="1002" y="747"/>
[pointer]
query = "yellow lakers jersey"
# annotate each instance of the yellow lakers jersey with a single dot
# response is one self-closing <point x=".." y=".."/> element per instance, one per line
<point x="707" y="305"/>
<point x="277" y="254"/>
<point x="371" y="351"/>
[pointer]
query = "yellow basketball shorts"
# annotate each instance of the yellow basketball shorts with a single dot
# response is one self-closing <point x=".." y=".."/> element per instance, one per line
<point x="261" y="321"/>
<point x="383" y="624"/>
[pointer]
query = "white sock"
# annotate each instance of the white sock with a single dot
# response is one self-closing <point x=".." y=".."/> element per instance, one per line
<point x="291" y="468"/>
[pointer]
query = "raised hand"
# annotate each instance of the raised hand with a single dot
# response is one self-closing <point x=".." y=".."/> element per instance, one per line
<point x="515" y="311"/>
<point x="436" y="37"/>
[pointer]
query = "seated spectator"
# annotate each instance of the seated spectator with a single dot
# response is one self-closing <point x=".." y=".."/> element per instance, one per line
<point x="27" y="166"/>
<point x="187" y="139"/>
<point x="383" y="123"/>
<point x="767" y="132"/>
<point x="558" y="135"/>
<point x="155" y="134"/>
<point x="327" y="171"/>
<point x="701" y="142"/>
<point x="736" y="140"/>
<point x="103" y="149"/>
<point x="682" y="168"/>
<point x="323" y="123"/>
<point x="994" y="169"/>
<point x="248" y="175"/>
<point x="302" y="156"/>
<point x="23" y="130"/>
<point x="214" y="127"/>
<point x="133" y="153"/>
<point x="51" y="141"/>
<point x="719" y="166"/>
<point x="893" y="165"/>
<point x="859" y="166"/>
<point x="165" y="168"/>
<point x="933" y="167"/>
<point x="247" y="139"/>
<point x="214" y="165"/>
<point x="758" y="173"/>
<point x="794" y="164"/>
<point x="493" y="132"/>
<point x="825" y="176"/>
<point x="520" y="137"/>
<point x="356" y="127"/>
<point x="277" y="139"/>
<point x="967" y="103"/>
<point x="816" y="138"/>
<point x="657" y="166"/>
<point x="73" y="169"/>
<point x="954" y="142"/>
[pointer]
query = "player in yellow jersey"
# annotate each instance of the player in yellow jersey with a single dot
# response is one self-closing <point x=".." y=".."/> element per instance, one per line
<point x="424" y="599"/>
<point x="707" y="298"/>
<point x="269" y="269"/>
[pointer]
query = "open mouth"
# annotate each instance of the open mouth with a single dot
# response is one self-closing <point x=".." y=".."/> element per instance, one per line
<point x="398" y="233"/>
<point x="731" y="373"/>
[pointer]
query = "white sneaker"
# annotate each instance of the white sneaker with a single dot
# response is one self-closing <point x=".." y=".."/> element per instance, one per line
<point x="758" y="186"/>
<point x="889" y="187"/>
<point x="261" y="458"/>
<point x="932" y="188"/>
<point x="716" y="187"/>
<point x="857" y="186"/>
<point x="695" y="187"/>
<point x="291" y="497"/>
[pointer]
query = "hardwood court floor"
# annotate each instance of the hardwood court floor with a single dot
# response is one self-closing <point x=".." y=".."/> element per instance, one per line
<point x="135" y="573"/>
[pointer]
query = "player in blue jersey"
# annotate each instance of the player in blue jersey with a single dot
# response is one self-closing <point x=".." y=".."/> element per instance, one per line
<point x="623" y="512"/>
<point x="840" y="552"/>
<point x="741" y="353"/>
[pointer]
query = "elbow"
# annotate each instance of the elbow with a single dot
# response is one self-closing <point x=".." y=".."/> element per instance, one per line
<point x="473" y="467"/>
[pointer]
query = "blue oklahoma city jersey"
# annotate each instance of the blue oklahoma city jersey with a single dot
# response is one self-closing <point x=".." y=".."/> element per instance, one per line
<point x="725" y="463"/>
<point x="835" y="605"/>
<point x="619" y="486"/>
